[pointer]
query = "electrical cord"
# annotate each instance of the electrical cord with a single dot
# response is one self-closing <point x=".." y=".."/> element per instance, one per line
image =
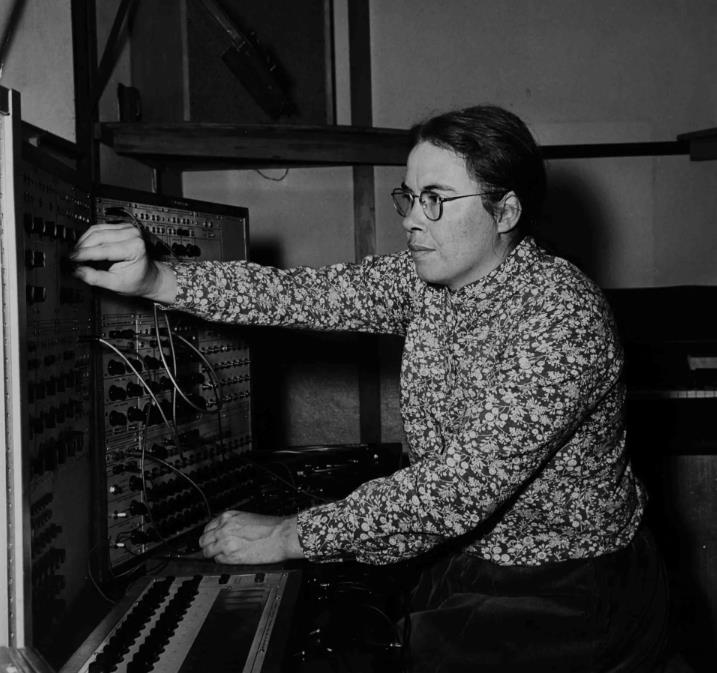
<point x="216" y="381"/>
<point x="184" y="476"/>
<point x="144" y="383"/>
<point x="162" y="357"/>
<point x="294" y="487"/>
<point x="93" y="581"/>
<point x="145" y="496"/>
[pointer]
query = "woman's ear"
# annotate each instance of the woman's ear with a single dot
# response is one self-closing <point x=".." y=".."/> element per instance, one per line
<point x="507" y="213"/>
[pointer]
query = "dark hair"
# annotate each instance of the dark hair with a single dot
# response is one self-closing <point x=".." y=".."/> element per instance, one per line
<point x="499" y="151"/>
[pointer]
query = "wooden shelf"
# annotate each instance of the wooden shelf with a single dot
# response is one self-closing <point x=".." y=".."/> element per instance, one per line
<point x="205" y="146"/>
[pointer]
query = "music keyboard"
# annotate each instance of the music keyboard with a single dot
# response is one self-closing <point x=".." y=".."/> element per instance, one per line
<point x="218" y="623"/>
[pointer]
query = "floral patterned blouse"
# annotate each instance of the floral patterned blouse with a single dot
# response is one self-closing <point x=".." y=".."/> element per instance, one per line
<point x="511" y="395"/>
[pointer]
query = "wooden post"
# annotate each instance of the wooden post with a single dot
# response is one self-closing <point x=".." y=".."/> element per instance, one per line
<point x="84" y="42"/>
<point x="364" y="211"/>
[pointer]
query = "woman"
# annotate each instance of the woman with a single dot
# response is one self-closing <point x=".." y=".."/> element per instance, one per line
<point x="519" y="489"/>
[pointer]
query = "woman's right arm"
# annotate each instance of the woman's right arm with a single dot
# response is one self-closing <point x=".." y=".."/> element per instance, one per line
<point x="372" y="296"/>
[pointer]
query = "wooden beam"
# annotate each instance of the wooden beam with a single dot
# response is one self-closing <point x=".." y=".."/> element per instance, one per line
<point x="702" y="144"/>
<point x="600" y="150"/>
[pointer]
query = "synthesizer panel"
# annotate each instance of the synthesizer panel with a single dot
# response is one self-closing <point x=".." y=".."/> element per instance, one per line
<point x="124" y="424"/>
<point x="176" y="392"/>
<point x="58" y="384"/>
<point x="48" y="327"/>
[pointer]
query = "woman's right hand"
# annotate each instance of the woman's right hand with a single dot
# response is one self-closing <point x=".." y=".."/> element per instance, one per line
<point x="131" y="271"/>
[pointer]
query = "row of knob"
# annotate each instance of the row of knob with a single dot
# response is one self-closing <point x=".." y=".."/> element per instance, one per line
<point x="37" y="294"/>
<point x="159" y="248"/>
<point x="173" y="494"/>
<point x="48" y="359"/>
<point x="222" y="348"/>
<point x="243" y="378"/>
<point x="34" y="259"/>
<point x="52" y="386"/>
<point x="42" y="503"/>
<point x="118" y="393"/>
<point x="182" y="521"/>
<point x="150" y="363"/>
<point x="55" y="452"/>
<point x="50" y="418"/>
<point x="153" y="217"/>
<point x="42" y="227"/>
<point x="47" y="564"/>
<point x="203" y="452"/>
<point x="41" y="519"/>
<point x="243" y="395"/>
<point x="226" y="364"/>
<point x="186" y="250"/>
<point x="117" y="367"/>
<point x="41" y="539"/>
<point x="151" y="415"/>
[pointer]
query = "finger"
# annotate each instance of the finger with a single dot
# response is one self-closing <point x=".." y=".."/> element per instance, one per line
<point x="212" y="531"/>
<point x="118" y="251"/>
<point x="112" y="280"/>
<point x="208" y="537"/>
<point x="127" y="243"/>
<point x="226" y="558"/>
<point x="210" y="545"/>
<point x="96" y="229"/>
<point x="226" y="516"/>
<point x="95" y="277"/>
<point x="211" y="525"/>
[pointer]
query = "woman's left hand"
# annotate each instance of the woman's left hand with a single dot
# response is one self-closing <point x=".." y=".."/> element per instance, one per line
<point x="243" y="537"/>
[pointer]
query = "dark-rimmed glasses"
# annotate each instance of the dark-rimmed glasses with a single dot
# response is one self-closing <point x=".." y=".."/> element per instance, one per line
<point x="431" y="202"/>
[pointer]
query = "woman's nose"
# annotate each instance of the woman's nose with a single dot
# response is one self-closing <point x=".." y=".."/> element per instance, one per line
<point x="414" y="218"/>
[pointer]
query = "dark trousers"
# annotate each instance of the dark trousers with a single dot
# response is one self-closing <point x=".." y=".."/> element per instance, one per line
<point x="601" y="615"/>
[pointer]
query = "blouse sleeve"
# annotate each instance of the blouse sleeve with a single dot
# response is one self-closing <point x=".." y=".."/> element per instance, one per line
<point x="556" y="368"/>
<point x="371" y="296"/>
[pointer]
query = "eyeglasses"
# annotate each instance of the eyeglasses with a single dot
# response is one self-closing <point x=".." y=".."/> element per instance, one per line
<point x="431" y="202"/>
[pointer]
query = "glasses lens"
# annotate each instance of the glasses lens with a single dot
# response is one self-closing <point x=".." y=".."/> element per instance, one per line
<point x="431" y="205"/>
<point x="402" y="201"/>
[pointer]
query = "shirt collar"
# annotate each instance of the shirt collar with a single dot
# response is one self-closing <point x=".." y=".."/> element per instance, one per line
<point x="519" y="259"/>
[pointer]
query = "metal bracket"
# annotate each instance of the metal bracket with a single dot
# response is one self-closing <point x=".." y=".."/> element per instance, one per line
<point x="111" y="52"/>
<point x="9" y="32"/>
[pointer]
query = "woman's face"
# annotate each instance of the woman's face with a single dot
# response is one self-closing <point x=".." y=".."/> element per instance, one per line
<point x="465" y="243"/>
